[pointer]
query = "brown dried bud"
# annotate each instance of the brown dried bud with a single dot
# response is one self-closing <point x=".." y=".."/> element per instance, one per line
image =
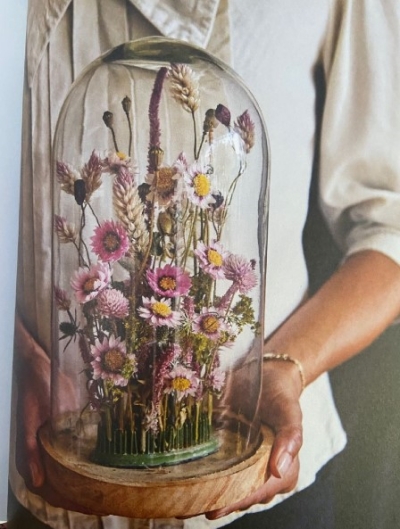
<point x="223" y="115"/>
<point x="165" y="223"/>
<point x="156" y="156"/>
<point x="79" y="191"/>
<point x="126" y="104"/>
<point x="108" y="118"/>
<point x="210" y="121"/>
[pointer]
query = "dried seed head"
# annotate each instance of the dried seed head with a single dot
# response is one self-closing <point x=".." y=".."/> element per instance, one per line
<point x="108" y="118"/>
<point x="126" y="104"/>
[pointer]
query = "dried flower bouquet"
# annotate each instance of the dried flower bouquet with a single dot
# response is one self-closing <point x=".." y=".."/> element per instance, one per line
<point x="159" y="295"/>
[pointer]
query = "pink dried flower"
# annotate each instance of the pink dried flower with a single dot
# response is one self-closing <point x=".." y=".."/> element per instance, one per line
<point x="66" y="176"/>
<point x="110" y="241"/>
<point x="159" y="312"/>
<point x="182" y="381"/>
<point x="61" y="298"/>
<point x="91" y="173"/>
<point x="169" y="281"/>
<point x="217" y="379"/>
<point x="210" y="323"/>
<point x="111" y="303"/>
<point x="89" y="282"/>
<point x="198" y="186"/>
<point x="116" y="162"/>
<point x="155" y="129"/>
<point x="211" y="258"/>
<point x="244" y="126"/>
<point x="66" y="232"/>
<point x="110" y="361"/>
<point x="188" y="307"/>
<point x="241" y="272"/>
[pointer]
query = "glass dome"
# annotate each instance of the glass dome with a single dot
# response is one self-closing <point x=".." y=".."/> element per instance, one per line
<point x="160" y="207"/>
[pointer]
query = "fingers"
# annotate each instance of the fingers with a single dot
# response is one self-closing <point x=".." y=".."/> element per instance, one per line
<point x="287" y="444"/>
<point x="264" y="494"/>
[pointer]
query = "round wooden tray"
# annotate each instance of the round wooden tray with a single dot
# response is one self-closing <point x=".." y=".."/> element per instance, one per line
<point x="187" y="489"/>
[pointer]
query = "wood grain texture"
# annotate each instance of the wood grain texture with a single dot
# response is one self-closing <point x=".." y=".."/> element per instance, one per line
<point x="184" y="490"/>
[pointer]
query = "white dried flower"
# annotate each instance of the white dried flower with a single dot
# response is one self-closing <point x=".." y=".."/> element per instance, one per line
<point x="184" y="86"/>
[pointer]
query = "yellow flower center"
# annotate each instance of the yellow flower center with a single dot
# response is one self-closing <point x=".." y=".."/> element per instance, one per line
<point x="214" y="257"/>
<point x="181" y="384"/>
<point x="201" y="184"/>
<point x="88" y="285"/>
<point x="111" y="242"/>
<point x="165" y="183"/>
<point x="161" y="309"/>
<point x="167" y="283"/>
<point x="210" y="324"/>
<point x="113" y="361"/>
<point x="121" y="155"/>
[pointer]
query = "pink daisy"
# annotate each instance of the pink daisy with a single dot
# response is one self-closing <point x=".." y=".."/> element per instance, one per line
<point x="210" y="323"/>
<point x="241" y="272"/>
<point x="211" y="259"/>
<point x="113" y="304"/>
<point x="110" y="241"/>
<point x="198" y="186"/>
<point x="89" y="282"/>
<point x="159" y="312"/>
<point x="182" y="381"/>
<point x="111" y="361"/>
<point x="169" y="281"/>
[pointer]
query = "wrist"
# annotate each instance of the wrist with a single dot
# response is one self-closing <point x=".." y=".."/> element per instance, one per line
<point x="288" y="365"/>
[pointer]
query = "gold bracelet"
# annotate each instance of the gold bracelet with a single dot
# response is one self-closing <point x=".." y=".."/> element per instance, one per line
<point x="287" y="358"/>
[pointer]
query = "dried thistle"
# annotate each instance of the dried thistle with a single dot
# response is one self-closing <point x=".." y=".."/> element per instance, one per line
<point x="244" y="126"/>
<point x="184" y="86"/>
<point x="129" y="209"/>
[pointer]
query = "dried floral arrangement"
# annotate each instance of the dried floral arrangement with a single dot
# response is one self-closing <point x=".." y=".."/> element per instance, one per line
<point x="151" y="341"/>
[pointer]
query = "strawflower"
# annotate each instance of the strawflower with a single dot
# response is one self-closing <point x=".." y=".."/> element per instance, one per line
<point x="198" y="186"/>
<point x="170" y="281"/>
<point x="110" y="361"/>
<point x="211" y="259"/>
<point x="89" y="282"/>
<point x="110" y="241"/>
<point x="210" y="323"/>
<point x="182" y="381"/>
<point x="159" y="312"/>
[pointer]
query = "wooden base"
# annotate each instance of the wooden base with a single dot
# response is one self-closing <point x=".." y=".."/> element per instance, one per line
<point x="184" y="490"/>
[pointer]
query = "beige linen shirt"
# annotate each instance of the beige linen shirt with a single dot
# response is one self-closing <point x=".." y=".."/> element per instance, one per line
<point x="278" y="47"/>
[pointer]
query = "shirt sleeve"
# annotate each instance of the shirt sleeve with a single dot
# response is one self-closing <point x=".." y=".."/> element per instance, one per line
<point x="360" y="134"/>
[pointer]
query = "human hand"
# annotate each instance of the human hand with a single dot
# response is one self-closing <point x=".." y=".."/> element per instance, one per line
<point x="33" y="410"/>
<point x="279" y="409"/>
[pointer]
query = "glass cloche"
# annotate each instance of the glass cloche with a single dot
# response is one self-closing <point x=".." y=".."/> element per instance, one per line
<point x="160" y="206"/>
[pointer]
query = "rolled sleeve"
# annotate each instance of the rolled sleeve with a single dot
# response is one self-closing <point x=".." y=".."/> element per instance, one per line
<point x="360" y="138"/>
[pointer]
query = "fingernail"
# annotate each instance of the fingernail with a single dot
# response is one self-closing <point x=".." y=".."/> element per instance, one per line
<point x="284" y="462"/>
<point x="35" y="475"/>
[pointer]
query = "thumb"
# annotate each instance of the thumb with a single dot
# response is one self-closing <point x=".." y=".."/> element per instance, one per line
<point x="32" y="450"/>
